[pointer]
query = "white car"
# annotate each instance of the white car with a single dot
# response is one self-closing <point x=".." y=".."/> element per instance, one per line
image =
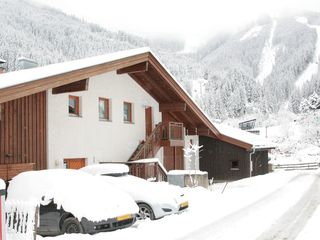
<point x="73" y="202"/>
<point x="155" y="199"/>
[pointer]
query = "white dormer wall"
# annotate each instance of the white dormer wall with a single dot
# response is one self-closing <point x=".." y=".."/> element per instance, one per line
<point x="93" y="139"/>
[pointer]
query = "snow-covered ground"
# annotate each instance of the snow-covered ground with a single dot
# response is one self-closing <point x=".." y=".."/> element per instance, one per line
<point x="245" y="210"/>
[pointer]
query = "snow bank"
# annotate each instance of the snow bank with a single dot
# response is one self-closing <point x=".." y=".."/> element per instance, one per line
<point x="77" y="192"/>
<point x="107" y="168"/>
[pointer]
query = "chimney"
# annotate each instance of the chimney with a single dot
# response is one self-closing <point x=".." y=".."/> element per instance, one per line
<point x="26" y="63"/>
<point x="2" y="67"/>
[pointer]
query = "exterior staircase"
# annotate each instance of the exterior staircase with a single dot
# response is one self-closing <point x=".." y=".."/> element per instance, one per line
<point x="169" y="134"/>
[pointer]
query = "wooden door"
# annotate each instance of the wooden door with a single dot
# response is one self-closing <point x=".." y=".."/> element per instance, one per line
<point x="75" y="163"/>
<point x="148" y="115"/>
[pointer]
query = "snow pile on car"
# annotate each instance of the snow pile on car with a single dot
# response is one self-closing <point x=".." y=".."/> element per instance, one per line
<point x="77" y="192"/>
<point x="108" y="168"/>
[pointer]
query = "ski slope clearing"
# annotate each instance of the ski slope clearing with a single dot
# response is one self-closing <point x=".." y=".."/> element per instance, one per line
<point x="268" y="57"/>
<point x="313" y="67"/>
<point x="248" y="209"/>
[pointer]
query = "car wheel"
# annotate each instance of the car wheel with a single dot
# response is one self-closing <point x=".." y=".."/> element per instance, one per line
<point x="145" y="211"/>
<point x="71" y="225"/>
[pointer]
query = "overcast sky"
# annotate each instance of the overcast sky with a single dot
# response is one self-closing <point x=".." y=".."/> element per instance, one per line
<point x="190" y="20"/>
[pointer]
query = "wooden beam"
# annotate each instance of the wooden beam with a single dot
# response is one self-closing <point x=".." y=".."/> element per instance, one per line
<point x="173" y="107"/>
<point x="203" y="131"/>
<point x="140" y="67"/>
<point x="78" y="86"/>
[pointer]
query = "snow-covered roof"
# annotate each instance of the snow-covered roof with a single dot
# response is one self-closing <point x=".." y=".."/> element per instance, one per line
<point x="2" y="61"/>
<point x="257" y="142"/>
<point x="19" y="77"/>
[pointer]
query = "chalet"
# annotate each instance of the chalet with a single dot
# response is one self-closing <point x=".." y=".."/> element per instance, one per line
<point x="118" y="107"/>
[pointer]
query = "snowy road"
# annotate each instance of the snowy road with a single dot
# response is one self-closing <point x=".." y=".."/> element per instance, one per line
<point x="272" y="206"/>
<point x="275" y="216"/>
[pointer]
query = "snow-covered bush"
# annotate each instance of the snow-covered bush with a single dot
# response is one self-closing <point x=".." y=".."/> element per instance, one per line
<point x="311" y="103"/>
<point x="190" y="154"/>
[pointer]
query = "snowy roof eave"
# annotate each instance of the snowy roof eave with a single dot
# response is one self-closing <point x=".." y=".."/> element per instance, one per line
<point x="11" y="79"/>
<point x="257" y="142"/>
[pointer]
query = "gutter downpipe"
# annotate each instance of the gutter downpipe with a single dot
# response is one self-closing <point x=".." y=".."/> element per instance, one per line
<point x="250" y="159"/>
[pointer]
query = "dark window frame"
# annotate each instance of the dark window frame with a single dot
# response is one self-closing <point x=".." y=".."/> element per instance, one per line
<point x="235" y="165"/>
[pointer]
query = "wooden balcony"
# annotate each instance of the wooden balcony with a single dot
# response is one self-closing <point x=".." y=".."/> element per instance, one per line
<point x="172" y="134"/>
<point x="169" y="134"/>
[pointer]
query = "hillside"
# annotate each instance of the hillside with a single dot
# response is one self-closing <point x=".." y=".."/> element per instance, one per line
<point x="268" y="65"/>
<point x="258" y="69"/>
<point x="49" y="36"/>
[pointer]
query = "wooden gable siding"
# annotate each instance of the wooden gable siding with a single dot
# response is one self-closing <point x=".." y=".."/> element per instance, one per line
<point x="216" y="157"/>
<point x="23" y="131"/>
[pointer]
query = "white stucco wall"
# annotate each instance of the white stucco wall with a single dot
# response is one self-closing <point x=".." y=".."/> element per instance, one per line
<point x="195" y="159"/>
<point x="87" y="136"/>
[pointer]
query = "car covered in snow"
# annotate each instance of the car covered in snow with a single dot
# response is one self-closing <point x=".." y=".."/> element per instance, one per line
<point x="72" y="201"/>
<point x="155" y="199"/>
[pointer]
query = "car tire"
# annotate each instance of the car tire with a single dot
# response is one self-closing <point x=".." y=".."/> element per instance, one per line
<point x="145" y="212"/>
<point x="71" y="225"/>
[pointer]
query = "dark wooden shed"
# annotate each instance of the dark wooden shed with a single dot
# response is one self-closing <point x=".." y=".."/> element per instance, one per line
<point x="225" y="161"/>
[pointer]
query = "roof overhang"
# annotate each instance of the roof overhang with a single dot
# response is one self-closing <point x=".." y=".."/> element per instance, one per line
<point x="140" y="64"/>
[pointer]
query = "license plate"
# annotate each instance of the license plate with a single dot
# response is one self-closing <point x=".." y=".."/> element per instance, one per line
<point x="184" y="204"/>
<point x="124" y="217"/>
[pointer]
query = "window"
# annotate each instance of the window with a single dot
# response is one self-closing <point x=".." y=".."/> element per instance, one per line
<point x="104" y="109"/>
<point x="74" y="108"/>
<point x="127" y="112"/>
<point x="234" y="165"/>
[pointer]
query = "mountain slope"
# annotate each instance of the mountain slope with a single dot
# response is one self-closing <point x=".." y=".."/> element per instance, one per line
<point x="263" y="63"/>
<point x="49" y="36"/>
<point x="268" y="64"/>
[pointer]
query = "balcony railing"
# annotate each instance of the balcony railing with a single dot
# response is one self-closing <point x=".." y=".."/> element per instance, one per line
<point x="172" y="131"/>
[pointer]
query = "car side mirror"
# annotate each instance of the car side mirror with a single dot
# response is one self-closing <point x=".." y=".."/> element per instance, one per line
<point x="46" y="200"/>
